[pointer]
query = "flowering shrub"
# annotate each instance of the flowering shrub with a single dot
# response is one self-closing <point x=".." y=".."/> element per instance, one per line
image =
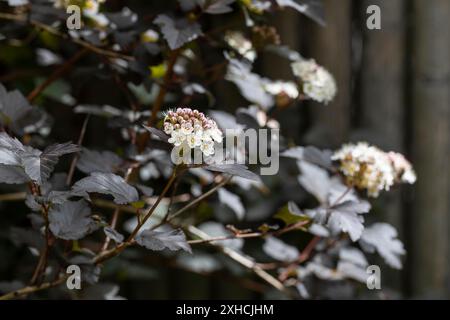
<point x="92" y="203"/>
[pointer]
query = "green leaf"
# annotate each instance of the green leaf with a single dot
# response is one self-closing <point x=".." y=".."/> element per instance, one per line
<point x="158" y="71"/>
<point x="290" y="214"/>
<point x="138" y="204"/>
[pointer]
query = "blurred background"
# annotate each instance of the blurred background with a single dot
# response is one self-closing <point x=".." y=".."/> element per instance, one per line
<point x="393" y="91"/>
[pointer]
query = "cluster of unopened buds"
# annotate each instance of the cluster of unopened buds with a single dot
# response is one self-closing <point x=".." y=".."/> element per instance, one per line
<point x="367" y="167"/>
<point x="193" y="129"/>
<point x="317" y="83"/>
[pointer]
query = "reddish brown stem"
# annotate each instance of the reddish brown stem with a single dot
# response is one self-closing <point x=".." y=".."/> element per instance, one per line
<point x="115" y="216"/>
<point x="163" y="88"/>
<point x="306" y="253"/>
<point x="76" y="156"/>
<point x="57" y="74"/>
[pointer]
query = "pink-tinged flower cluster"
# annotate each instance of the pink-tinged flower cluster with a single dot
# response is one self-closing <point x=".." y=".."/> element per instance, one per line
<point x="192" y="128"/>
<point x="403" y="169"/>
<point x="367" y="167"/>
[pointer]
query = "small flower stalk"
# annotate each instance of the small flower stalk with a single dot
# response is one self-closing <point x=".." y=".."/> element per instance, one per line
<point x="369" y="168"/>
<point x="193" y="129"/>
<point x="317" y="83"/>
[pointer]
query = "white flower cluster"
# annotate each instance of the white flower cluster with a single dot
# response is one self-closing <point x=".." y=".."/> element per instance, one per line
<point x="237" y="41"/>
<point x="367" y="167"/>
<point x="282" y="87"/>
<point x="192" y="128"/>
<point x="318" y="83"/>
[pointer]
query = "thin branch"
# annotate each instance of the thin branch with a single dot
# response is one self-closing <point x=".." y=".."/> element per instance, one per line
<point x="77" y="156"/>
<point x="244" y="261"/>
<point x="306" y="253"/>
<point x="118" y="249"/>
<point x="115" y="216"/>
<point x="172" y="196"/>
<point x="38" y="268"/>
<point x="291" y="227"/>
<point x="148" y="214"/>
<point x="31" y="289"/>
<point x="49" y="29"/>
<point x="16" y="196"/>
<point x="200" y="198"/>
<point x="17" y="74"/>
<point x="230" y="237"/>
<point x="42" y="262"/>
<point x="163" y="88"/>
<point x="102" y="203"/>
<point x="251" y="234"/>
<point x="57" y="74"/>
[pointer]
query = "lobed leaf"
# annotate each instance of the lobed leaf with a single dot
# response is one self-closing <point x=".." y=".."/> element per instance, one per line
<point x="71" y="220"/>
<point x="382" y="237"/>
<point x="10" y="149"/>
<point x="233" y="169"/>
<point x="315" y="180"/>
<point x="113" y="234"/>
<point x="157" y="240"/>
<point x="177" y="32"/>
<point x="12" y="175"/>
<point x="346" y="217"/>
<point x="250" y="85"/>
<point x="39" y="165"/>
<point x="277" y="249"/>
<point x="106" y="183"/>
<point x="98" y="161"/>
<point x="232" y="201"/>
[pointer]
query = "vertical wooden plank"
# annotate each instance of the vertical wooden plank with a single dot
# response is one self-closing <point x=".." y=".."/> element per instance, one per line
<point x="382" y="75"/>
<point x="331" y="47"/>
<point x="382" y="84"/>
<point x="431" y="134"/>
<point x="287" y="23"/>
